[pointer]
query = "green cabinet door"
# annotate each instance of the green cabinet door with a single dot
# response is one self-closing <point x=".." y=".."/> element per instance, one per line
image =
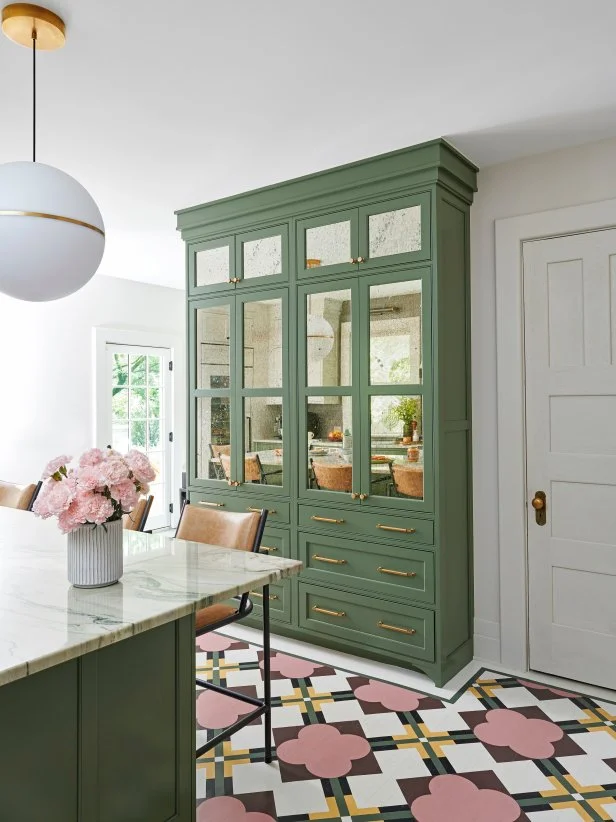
<point x="394" y="231"/>
<point x="327" y="244"/>
<point x="262" y="256"/>
<point x="211" y="266"/>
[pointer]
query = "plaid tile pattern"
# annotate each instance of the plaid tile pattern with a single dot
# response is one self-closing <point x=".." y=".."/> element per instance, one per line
<point x="354" y="749"/>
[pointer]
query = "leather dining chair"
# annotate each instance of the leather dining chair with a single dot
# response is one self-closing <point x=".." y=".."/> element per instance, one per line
<point x="21" y="497"/>
<point x="136" y="519"/>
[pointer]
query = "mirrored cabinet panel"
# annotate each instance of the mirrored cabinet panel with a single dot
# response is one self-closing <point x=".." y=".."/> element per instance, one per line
<point x="396" y="447"/>
<point x="395" y="333"/>
<point x="213" y="346"/>
<point x="213" y="264"/>
<point x="330" y="446"/>
<point x="262" y="326"/>
<point x="328" y="244"/>
<point x="262" y="257"/>
<point x="328" y="340"/>
<point x="394" y="232"/>
<point x="213" y="438"/>
<point x="263" y="451"/>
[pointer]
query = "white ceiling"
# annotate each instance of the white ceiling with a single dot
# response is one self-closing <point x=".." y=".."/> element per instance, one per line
<point x="156" y="106"/>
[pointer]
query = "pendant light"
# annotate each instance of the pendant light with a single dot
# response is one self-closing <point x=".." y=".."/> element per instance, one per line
<point x="52" y="235"/>
<point x="320" y="335"/>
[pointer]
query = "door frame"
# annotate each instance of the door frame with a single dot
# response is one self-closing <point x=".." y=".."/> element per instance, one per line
<point x="510" y="235"/>
<point x="148" y="339"/>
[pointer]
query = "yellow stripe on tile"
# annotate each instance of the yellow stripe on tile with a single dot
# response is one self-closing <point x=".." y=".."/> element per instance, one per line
<point x="332" y="810"/>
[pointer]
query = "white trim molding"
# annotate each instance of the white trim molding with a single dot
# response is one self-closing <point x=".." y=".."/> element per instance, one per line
<point x="510" y="235"/>
<point x="486" y="641"/>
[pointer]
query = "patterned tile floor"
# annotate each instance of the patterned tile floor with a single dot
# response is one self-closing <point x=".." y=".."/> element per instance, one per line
<point x="353" y="749"/>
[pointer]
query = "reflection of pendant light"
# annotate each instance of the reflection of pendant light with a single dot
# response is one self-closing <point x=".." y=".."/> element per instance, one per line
<point x="320" y="336"/>
<point x="52" y="234"/>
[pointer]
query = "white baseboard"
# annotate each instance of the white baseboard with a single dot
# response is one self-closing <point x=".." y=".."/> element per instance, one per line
<point x="487" y="640"/>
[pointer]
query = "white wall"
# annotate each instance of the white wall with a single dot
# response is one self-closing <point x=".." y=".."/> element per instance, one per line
<point x="46" y="359"/>
<point x="547" y="181"/>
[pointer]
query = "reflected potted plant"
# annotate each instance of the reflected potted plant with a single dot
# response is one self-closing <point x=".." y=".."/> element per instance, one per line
<point x="407" y="411"/>
<point x="89" y="501"/>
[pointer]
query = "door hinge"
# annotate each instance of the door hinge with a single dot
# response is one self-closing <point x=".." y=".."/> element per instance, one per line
<point x="170" y="507"/>
<point x="170" y="436"/>
<point x="170" y="365"/>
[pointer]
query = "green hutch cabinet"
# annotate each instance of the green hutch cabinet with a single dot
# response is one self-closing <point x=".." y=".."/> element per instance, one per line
<point x="329" y="381"/>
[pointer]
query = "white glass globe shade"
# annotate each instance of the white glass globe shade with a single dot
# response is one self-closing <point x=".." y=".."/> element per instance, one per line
<point x="320" y="337"/>
<point x="43" y="257"/>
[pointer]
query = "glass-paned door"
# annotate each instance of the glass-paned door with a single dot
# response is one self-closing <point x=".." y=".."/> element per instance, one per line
<point x="211" y="265"/>
<point x="327" y="244"/>
<point x="212" y="375"/>
<point x="263" y="256"/>
<point x="395" y="231"/>
<point x="395" y="389"/>
<point x="138" y="404"/>
<point x="329" y="451"/>
<point x="262" y="457"/>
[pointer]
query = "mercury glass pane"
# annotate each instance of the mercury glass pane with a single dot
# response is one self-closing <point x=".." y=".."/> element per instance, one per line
<point x="263" y="258"/>
<point x="328" y="244"/>
<point x="395" y="232"/>
<point x="213" y="368"/>
<point x="396" y="447"/>
<point x="330" y="444"/>
<point x="263" y="454"/>
<point x="328" y="339"/>
<point x="213" y="438"/>
<point x="212" y="266"/>
<point x="263" y="344"/>
<point x="395" y="333"/>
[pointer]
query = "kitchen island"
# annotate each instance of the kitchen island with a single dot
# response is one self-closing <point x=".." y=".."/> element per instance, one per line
<point x="97" y="686"/>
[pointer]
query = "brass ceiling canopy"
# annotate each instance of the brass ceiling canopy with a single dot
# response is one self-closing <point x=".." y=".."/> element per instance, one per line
<point x="22" y="21"/>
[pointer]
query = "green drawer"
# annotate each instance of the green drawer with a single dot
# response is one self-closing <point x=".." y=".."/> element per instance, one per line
<point x="382" y="570"/>
<point x="278" y="511"/>
<point x="360" y="621"/>
<point x="276" y="542"/>
<point x="382" y="525"/>
<point x="280" y="603"/>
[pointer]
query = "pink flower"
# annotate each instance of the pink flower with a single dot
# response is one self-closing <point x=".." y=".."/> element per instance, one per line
<point x="91" y="457"/>
<point x="89" y="477"/>
<point x="528" y="737"/>
<point x="72" y="518"/>
<point x="55" y="497"/>
<point x="114" y="470"/>
<point x="453" y="797"/>
<point x="324" y="751"/>
<point x="125" y="493"/>
<point x="389" y="696"/>
<point x="140" y="466"/>
<point x="54" y="466"/>
<point x="96" y="508"/>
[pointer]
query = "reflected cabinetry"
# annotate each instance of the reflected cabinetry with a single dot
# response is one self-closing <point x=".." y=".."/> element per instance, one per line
<point x="329" y="382"/>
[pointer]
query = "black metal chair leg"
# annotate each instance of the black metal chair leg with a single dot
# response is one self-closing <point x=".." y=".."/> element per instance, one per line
<point x="267" y="683"/>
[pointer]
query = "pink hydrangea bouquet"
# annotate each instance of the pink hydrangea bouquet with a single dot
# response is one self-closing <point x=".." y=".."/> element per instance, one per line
<point x="102" y="487"/>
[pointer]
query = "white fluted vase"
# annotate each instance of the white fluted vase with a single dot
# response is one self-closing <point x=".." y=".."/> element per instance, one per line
<point x="95" y="557"/>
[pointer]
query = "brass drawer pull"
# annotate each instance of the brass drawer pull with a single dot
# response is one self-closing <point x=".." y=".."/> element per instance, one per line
<point x="361" y="260"/>
<point x="328" y="519"/>
<point x="386" y="627"/>
<point x="327" y="612"/>
<point x="260" y="596"/>
<point x="327" y="559"/>
<point x="393" y="573"/>
<point x="267" y="549"/>
<point x="397" y="530"/>
<point x="212" y="504"/>
<point x="258" y="511"/>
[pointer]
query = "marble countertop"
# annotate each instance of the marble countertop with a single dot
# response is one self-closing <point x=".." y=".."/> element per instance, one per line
<point x="45" y="621"/>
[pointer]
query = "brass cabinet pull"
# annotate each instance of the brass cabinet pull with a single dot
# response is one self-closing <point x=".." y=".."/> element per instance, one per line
<point x="327" y="559"/>
<point x="327" y="612"/>
<point x="353" y="260"/>
<point x="267" y="549"/>
<point x="393" y="573"/>
<point x="363" y="496"/>
<point x="233" y="483"/>
<point x="328" y="519"/>
<point x="354" y="495"/>
<point x="260" y="595"/>
<point x="396" y="628"/>
<point x="361" y="260"/>
<point x="212" y="504"/>
<point x="397" y="530"/>
<point x="258" y="511"/>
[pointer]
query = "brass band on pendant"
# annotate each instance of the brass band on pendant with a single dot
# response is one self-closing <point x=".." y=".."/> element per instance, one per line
<point x="52" y="217"/>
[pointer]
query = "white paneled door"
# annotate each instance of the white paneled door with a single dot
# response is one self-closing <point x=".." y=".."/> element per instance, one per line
<point x="570" y="344"/>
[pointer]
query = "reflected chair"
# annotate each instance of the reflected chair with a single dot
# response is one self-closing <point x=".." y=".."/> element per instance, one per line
<point x="253" y="469"/>
<point x="329" y="477"/>
<point x="136" y="519"/>
<point x="21" y="497"/>
<point x="408" y="481"/>
<point x="243" y="532"/>
<point x="215" y="454"/>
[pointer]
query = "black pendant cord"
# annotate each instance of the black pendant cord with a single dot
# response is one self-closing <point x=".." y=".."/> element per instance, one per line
<point x="34" y="95"/>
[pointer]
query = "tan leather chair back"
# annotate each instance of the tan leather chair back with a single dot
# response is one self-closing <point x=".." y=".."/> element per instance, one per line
<point x="225" y="528"/>
<point x="16" y="496"/>
<point x="333" y="477"/>
<point x="217" y="450"/>
<point x="225" y="461"/>
<point x="136" y="519"/>
<point x="409" y="481"/>
<point x="252" y="469"/>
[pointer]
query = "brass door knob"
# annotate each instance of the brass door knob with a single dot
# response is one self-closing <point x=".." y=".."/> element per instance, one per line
<point x="538" y="503"/>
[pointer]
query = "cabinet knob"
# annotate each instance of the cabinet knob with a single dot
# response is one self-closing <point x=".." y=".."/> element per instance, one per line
<point x="353" y="260"/>
<point x="360" y="260"/>
<point x="363" y="496"/>
<point x="355" y="496"/>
